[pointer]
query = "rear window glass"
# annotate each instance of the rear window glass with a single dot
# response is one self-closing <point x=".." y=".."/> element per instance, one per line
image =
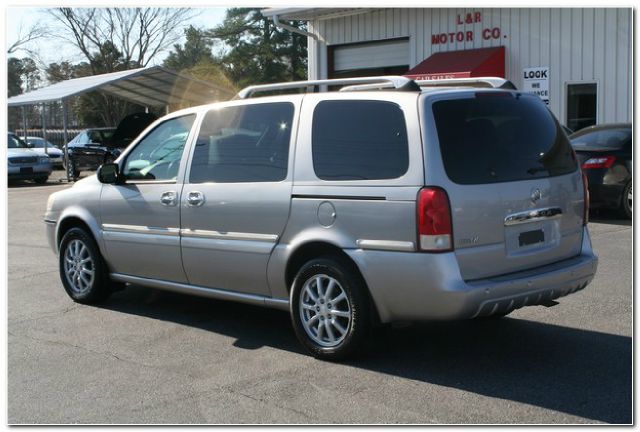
<point x="609" y="139"/>
<point x="493" y="138"/>
<point x="359" y="140"/>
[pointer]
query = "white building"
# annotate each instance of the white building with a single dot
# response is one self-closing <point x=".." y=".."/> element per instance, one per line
<point x="579" y="60"/>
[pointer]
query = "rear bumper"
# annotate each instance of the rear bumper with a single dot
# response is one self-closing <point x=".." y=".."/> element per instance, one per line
<point x="417" y="287"/>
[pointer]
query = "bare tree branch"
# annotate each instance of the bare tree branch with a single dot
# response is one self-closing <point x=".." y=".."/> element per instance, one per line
<point x="139" y="34"/>
<point x="35" y="32"/>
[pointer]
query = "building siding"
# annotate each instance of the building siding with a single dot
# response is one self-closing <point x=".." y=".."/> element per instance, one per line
<point x="577" y="44"/>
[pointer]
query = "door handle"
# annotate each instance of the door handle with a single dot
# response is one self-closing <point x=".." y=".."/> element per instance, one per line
<point x="195" y="198"/>
<point x="168" y="198"/>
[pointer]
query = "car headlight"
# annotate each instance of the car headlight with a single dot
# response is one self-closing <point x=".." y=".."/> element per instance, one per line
<point x="43" y="159"/>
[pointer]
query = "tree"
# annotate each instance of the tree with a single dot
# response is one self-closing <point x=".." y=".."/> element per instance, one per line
<point x="195" y="58"/>
<point x="138" y="34"/>
<point x="57" y="72"/>
<point x="198" y="48"/>
<point x="25" y="37"/>
<point x="22" y="76"/>
<point x="14" y="76"/>
<point x="259" y="51"/>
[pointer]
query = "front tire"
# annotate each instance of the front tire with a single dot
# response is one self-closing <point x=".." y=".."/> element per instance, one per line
<point x="82" y="270"/>
<point x="41" y="180"/>
<point x="330" y="309"/>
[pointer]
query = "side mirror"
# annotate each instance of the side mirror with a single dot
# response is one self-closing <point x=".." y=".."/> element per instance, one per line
<point x="109" y="173"/>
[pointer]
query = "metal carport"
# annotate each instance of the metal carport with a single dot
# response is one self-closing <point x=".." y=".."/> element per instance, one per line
<point x="152" y="87"/>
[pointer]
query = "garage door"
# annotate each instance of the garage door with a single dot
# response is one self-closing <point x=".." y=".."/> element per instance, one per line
<point x="371" y="55"/>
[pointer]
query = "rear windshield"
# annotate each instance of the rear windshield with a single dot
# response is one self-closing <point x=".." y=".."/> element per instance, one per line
<point x="500" y="137"/>
<point x="608" y="139"/>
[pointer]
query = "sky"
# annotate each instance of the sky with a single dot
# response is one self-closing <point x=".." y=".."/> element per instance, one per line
<point x="53" y="50"/>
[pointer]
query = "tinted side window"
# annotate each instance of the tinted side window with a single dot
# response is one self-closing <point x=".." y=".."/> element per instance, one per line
<point x="248" y="143"/>
<point x="495" y="137"/>
<point x="359" y="140"/>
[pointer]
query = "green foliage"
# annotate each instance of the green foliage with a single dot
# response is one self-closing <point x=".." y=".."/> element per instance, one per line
<point x="197" y="49"/>
<point x="258" y="51"/>
<point x="14" y="76"/>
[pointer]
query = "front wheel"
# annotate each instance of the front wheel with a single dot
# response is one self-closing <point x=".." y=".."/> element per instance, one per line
<point x="41" y="180"/>
<point x="330" y="309"/>
<point x="82" y="269"/>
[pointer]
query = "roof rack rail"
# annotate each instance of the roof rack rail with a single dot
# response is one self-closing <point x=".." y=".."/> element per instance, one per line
<point x="491" y="82"/>
<point x="396" y="82"/>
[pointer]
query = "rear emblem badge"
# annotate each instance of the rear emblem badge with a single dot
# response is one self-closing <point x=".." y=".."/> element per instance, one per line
<point x="536" y="195"/>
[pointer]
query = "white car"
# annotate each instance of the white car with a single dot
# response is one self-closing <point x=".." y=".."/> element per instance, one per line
<point x="56" y="155"/>
<point x="24" y="163"/>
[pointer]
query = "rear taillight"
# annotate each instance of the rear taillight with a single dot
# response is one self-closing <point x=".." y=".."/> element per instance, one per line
<point x="434" y="220"/>
<point x="585" y="188"/>
<point x="599" y="162"/>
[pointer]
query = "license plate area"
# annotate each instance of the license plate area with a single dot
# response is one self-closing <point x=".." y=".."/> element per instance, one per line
<point x="532" y="238"/>
<point x="26" y="170"/>
<point x="528" y="238"/>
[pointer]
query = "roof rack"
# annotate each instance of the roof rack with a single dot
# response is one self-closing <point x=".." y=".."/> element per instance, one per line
<point x="490" y="82"/>
<point x="396" y="82"/>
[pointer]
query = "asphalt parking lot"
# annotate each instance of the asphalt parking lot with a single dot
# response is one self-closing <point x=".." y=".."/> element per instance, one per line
<point x="147" y="356"/>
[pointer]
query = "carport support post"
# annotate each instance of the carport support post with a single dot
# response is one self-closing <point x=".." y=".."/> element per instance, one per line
<point x="44" y="130"/>
<point x="24" y="122"/>
<point x="65" y="136"/>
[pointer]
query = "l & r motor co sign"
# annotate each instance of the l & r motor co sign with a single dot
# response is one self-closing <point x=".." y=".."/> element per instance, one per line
<point x="467" y="35"/>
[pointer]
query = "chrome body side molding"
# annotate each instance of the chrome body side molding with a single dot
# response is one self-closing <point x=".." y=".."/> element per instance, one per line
<point x="228" y="235"/>
<point x="139" y="229"/>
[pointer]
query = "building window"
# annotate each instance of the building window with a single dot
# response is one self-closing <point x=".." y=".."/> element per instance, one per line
<point x="581" y="105"/>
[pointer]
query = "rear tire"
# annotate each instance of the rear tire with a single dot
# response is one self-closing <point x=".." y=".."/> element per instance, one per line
<point x="626" y="206"/>
<point x="330" y="309"/>
<point x="83" y="271"/>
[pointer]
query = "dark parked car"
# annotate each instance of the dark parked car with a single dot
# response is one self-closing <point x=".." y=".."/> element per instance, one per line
<point x="604" y="152"/>
<point x="94" y="147"/>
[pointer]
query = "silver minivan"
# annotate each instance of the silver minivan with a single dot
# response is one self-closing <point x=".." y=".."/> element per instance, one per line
<point x="381" y="200"/>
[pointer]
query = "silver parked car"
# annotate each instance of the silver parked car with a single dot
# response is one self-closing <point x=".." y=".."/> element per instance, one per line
<point x="24" y="163"/>
<point x="56" y="156"/>
<point x="391" y="200"/>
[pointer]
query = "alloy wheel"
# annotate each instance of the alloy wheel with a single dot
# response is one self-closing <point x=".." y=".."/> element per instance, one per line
<point x="79" y="268"/>
<point x="325" y="310"/>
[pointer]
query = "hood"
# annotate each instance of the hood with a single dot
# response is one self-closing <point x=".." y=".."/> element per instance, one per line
<point x="52" y="151"/>
<point x="129" y="129"/>
<point x="12" y="152"/>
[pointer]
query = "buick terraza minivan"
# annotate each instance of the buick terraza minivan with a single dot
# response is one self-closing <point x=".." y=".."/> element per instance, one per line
<point x="381" y="200"/>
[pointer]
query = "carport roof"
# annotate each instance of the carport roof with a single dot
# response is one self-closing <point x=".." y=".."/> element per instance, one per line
<point x="153" y="86"/>
<point x="307" y="14"/>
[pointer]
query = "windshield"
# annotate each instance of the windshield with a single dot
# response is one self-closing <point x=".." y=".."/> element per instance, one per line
<point x="15" y="142"/>
<point x="39" y="143"/>
<point x="607" y="139"/>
